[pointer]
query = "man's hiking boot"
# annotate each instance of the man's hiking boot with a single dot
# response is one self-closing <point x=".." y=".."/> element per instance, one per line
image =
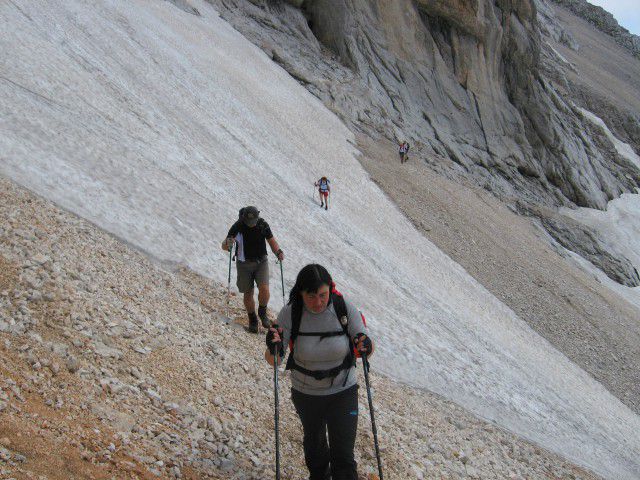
<point x="253" y="323"/>
<point x="262" y="313"/>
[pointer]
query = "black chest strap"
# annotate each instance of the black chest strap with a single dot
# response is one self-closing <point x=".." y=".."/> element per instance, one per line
<point x="347" y="363"/>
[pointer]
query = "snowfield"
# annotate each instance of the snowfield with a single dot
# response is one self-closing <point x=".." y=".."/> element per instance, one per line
<point x="158" y="125"/>
<point x="619" y="224"/>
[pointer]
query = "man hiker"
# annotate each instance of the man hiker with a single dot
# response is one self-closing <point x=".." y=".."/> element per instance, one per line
<point x="249" y="234"/>
<point x="324" y="189"/>
<point x="403" y="151"/>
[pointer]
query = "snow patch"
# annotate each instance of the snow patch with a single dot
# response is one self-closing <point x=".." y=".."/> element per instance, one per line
<point x="624" y="149"/>
<point x="618" y="226"/>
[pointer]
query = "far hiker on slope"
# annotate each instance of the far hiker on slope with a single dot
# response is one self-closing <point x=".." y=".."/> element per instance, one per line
<point x="250" y="233"/>
<point x="403" y="150"/>
<point x="324" y="188"/>
<point x="324" y="387"/>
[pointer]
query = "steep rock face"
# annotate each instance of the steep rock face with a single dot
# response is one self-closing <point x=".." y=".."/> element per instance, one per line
<point x="551" y="27"/>
<point x="602" y="81"/>
<point x="590" y="74"/>
<point x="584" y="241"/>
<point x="185" y="6"/>
<point x="436" y="75"/>
<point x="605" y="22"/>
<point x="508" y="119"/>
<point x="460" y="80"/>
<point x="569" y="234"/>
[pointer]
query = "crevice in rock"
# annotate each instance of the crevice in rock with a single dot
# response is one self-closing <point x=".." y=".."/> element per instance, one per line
<point x="185" y="7"/>
<point x="441" y="32"/>
<point x="484" y="133"/>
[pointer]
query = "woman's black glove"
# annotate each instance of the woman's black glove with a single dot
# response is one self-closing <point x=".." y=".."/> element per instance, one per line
<point x="274" y="338"/>
<point x="363" y="344"/>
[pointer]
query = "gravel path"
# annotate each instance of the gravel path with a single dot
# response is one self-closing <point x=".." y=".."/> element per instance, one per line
<point x="113" y="366"/>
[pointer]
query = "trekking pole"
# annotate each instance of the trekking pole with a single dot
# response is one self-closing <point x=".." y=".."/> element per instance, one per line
<point x="284" y="302"/>
<point x="276" y="356"/>
<point x="365" y="366"/>
<point x="229" y="285"/>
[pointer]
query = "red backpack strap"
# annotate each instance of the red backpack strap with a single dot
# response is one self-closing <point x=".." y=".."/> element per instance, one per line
<point x="364" y="321"/>
<point x="341" y="311"/>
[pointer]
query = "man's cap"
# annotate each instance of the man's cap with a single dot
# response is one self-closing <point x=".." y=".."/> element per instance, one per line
<point x="250" y="216"/>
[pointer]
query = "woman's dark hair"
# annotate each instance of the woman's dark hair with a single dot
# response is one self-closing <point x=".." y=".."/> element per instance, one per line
<point x="309" y="279"/>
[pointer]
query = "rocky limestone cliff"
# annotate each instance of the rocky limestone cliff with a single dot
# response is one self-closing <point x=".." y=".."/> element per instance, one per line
<point x="605" y="22"/>
<point x="590" y="73"/>
<point x="462" y="81"/>
<point x="550" y="26"/>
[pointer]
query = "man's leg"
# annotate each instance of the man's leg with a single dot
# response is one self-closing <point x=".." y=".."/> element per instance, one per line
<point x="245" y="285"/>
<point x="263" y="300"/>
<point x="249" y="301"/>
<point x="250" y="305"/>
<point x="262" y="280"/>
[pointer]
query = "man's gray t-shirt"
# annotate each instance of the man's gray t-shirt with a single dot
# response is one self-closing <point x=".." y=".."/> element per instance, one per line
<point x="314" y="353"/>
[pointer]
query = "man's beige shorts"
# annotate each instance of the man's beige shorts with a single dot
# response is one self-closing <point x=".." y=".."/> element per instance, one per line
<point x="250" y="272"/>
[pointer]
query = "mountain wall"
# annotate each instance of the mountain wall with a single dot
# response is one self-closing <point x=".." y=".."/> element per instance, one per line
<point x="605" y="22"/>
<point x="465" y="83"/>
<point x="585" y="65"/>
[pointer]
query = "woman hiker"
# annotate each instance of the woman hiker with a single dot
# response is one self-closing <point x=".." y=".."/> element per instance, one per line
<point x="324" y="189"/>
<point x="322" y="329"/>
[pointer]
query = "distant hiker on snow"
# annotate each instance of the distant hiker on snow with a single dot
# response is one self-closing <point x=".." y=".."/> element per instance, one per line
<point x="403" y="150"/>
<point x="324" y="189"/>
<point x="320" y="326"/>
<point x="249" y="234"/>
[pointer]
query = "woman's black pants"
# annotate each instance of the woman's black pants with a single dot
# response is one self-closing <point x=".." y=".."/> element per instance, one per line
<point x="336" y="414"/>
